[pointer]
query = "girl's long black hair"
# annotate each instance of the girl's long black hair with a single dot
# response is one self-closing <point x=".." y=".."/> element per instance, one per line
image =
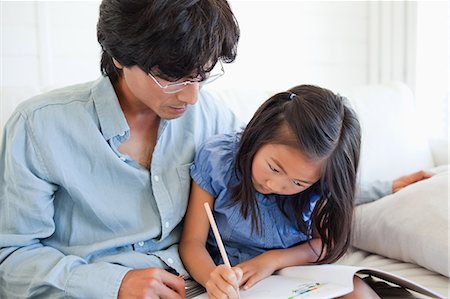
<point x="322" y="126"/>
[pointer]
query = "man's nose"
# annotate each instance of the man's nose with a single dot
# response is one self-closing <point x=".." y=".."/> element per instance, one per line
<point x="189" y="94"/>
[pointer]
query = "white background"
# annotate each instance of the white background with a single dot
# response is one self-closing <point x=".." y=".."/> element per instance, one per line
<point x="335" y="44"/>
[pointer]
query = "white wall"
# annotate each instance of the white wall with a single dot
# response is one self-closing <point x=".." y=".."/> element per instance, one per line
<point x="283" y="43"/>
<point x="46" y="44"/>
<point x="432" y="65"/>
<point x="335" y="44"/>
<point x="288" y="42"/>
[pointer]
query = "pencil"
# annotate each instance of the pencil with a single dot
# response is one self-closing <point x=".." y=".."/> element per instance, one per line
<point x="223" y="253"/>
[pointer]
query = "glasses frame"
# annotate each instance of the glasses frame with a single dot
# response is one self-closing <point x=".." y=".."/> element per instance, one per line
<point x="182" y="85"/>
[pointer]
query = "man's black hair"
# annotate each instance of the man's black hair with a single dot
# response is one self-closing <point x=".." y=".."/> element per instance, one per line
<point x="176" y="38"/>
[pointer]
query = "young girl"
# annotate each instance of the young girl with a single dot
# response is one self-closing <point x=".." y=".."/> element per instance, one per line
<point x="282" y="192"/>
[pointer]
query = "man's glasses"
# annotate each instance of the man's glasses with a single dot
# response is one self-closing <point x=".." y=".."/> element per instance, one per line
<point x="175" y="87"/>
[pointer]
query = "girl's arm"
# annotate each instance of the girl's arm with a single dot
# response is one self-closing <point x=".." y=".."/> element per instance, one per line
<point x="195" y="257"/>
<point x="265" y="264"/>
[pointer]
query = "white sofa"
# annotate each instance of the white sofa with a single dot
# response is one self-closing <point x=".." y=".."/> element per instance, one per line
<point x="405" y="233"/>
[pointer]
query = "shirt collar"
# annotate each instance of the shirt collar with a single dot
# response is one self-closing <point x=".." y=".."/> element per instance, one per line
<point x="111" y="118"/>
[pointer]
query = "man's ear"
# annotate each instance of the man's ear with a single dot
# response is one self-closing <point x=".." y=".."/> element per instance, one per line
<point x="117" y="64"/>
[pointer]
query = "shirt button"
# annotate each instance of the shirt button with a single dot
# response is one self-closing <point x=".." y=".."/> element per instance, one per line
<point x="156" y="178"/>
<point x="170" y="260"/>
<point x="141" y="243"/>
<point x="166" y="224"/>
<point x="122" y="134"/>
<point x="123" y="158"/>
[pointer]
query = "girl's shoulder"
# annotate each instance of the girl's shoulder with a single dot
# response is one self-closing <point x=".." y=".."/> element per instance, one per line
<point x="214" y="163"/>
<point x="221" y="147"/>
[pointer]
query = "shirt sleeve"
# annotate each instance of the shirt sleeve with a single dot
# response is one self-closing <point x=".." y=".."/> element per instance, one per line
<point x="367" y="192"/>
<point x="29" y="268"/>
<point x="213" y="164"/>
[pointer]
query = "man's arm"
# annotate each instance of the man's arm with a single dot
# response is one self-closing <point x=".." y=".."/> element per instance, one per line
<point x="409" y="179"/>
<point x="368" y="192"/>
<point x="28" y="266"/>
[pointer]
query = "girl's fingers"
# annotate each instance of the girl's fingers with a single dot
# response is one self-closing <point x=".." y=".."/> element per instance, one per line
<point x="223" y="283"/>
<point x="238" y="272"/>
<point x="251" y="281"/>
<point x="214" y="291"/>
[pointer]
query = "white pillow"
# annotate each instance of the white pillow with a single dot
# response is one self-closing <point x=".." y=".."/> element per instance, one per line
<point x="393" y="138"/>
<point x="410" y="225"/>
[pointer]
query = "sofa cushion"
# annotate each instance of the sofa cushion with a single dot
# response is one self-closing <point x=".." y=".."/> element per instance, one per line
<point x="410" y="225"/>
<point x="393" y="141"/>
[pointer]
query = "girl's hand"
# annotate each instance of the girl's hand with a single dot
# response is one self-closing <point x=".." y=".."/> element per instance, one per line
<point x="258" y="268"/>
<point x="224" y="282"/>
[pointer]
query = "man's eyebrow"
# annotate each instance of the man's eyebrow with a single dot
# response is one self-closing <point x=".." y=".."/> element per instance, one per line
<point x="281" y="167"/>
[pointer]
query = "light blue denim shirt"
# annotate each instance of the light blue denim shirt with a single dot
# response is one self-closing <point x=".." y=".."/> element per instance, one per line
<point x="75" y="213"/>
<point x="370" y="191"/>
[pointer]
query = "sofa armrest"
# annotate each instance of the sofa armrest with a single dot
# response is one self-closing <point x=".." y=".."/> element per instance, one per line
<point x="439" y="150"/>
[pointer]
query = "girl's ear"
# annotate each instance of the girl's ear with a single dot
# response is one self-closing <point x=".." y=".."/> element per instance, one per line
<point x="117" y="64"/>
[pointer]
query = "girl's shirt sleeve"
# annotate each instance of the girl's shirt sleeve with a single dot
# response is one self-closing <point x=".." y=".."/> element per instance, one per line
<point x="214" y="163"/>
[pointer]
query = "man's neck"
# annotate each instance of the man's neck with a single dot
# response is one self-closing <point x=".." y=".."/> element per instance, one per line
<point x="130" y="104"/>
<point x="143" y="123"/>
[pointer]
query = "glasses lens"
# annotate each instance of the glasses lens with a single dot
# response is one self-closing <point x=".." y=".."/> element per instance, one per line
<point x="175" y="87"/>
<point x="170" y="89"/>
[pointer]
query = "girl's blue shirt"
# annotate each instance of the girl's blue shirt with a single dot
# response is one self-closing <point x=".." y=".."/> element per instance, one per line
<point x="214" y="172"/>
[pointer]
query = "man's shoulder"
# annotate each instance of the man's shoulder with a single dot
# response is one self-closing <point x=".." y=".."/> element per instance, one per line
<point x="58" y="97"/>
<point x="208" y="101"/>
<point x="211" y="110"/>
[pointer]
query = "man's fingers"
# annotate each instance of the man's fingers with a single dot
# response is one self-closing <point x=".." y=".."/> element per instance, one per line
<point x="175" y="284"/>
<point x="167" y="293"/>
<point x="420" y="175"/>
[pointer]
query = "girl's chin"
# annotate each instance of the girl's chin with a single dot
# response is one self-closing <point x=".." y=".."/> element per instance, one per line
<point x="262" y="190"/>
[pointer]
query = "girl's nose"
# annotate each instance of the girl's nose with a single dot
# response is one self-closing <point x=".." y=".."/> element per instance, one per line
<point x="276" y="187"/>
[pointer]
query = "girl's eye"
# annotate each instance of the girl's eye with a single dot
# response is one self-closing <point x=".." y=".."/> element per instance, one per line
<point x="273" y="169"/>
<point x="298" y="184"/>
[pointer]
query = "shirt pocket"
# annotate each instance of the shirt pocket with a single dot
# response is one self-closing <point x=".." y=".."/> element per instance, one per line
<point x="184" y="186"/>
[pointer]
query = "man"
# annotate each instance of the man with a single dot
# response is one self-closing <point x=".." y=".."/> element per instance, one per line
<point x="95" y="177"/>
<point x="371" y="191"/>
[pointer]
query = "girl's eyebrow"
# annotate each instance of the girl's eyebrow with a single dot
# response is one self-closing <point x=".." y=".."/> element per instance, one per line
<point x="281" y="167"/>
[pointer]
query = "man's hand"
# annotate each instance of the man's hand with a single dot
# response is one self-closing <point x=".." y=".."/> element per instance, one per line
<point x="409" y="179"/>
<point x="151" y="283"/>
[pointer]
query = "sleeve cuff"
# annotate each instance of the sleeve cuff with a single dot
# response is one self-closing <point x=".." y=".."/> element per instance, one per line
<point x="99" y="280"/>
<point x="368" y="192"/>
